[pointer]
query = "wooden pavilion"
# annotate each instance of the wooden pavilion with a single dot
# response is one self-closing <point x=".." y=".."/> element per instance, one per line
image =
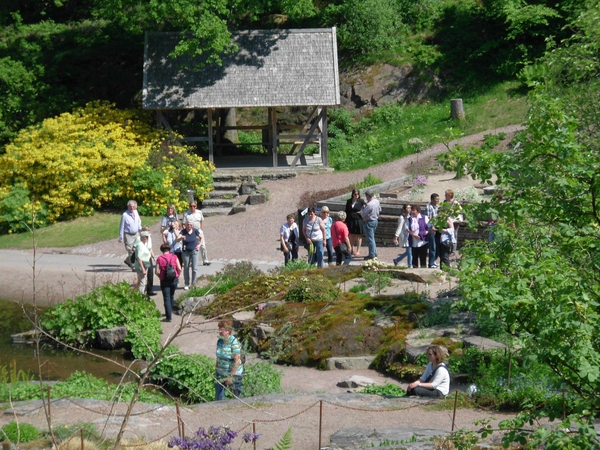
<point x="272" y="68"/>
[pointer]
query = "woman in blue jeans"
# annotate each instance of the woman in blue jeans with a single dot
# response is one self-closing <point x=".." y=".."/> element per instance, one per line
<point x="168" y="285"/>
<point x="191" y="239"/>
<point x="229" y="362"/>
<point x="313" y="229"/>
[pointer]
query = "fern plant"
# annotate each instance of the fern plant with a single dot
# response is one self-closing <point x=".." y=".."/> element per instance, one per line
<point x="285" y="443"/>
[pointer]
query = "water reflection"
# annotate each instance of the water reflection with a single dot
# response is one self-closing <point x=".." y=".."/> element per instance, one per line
<point x="56" y="364"/>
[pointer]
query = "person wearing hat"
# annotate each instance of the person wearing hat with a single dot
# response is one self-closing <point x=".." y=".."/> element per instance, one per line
<point x="143" y="256"/>
<point x="370" y="215"/>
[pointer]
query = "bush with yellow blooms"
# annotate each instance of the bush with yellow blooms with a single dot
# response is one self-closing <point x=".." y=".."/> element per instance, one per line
<point x="97" y="156"/>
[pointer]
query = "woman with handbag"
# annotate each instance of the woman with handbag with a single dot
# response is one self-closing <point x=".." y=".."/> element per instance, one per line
<point x="314" y="233"/>
<point x="289" y="235"/>
<point x="435" y="381"/>
<point x="354" y="221"/>
<point x="339" y="239"/>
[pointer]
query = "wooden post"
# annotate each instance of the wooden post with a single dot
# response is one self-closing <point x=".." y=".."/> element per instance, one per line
<point x="509" y="369"/>
<point x="320" y="421"/>
<point x="324" y="136"/>
<point x="211" y="156"/>
<point x="454" y="414"/>
<point x="82" y="440"/>
<point x="179" y="425"/>
<point x="457" y="111"/>
<point x="273" y="123"/>
<point x="254" y="431"/>
<point x="49" y="413"/>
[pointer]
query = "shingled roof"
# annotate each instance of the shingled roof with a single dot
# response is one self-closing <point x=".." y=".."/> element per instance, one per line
<point x="272" y="68"/>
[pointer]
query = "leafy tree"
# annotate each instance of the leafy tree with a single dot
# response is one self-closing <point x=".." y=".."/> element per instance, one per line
<point x="540" y="274"/>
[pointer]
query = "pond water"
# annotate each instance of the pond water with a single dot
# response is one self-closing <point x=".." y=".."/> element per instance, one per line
<point x="57" y="364"/>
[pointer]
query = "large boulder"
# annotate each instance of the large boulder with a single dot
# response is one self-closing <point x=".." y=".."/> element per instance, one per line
<point x="111" y="338"/>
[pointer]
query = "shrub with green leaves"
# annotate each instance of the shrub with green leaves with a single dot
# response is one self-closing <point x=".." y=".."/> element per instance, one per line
<point x="260" y="379"/>
<point x="78" y="385"/>
<point x="190" y="376"/>
<point x="19" y="432"/>
<point x="315" y="288"/>
<point x="388" y="390"/>
<point x="75" y="321"/>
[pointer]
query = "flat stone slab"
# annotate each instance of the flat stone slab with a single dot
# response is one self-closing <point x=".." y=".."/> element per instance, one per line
<point x="396" y="438"/>
<point x="349" y="363"/>
<point x="483" y="343"/>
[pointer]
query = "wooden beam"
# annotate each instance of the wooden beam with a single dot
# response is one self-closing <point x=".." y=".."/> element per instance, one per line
<point x="211" y="156"/>
<point x="305" y="143"/>
<point x="304" y="129"/>
<point x="273" y="124"/>
<point x="324" y="139"/>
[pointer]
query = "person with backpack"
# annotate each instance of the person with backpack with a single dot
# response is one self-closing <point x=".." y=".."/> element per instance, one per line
<point x="168" y="269"/>
<point x="435" y="381"/>
<point x="191" y="240"/>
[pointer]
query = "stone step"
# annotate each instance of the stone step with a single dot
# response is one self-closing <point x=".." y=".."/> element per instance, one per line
<point x="208" y="212"/>
<point x="218" y="203"/>
<point x="222" y="194"/>
<point x="226" y="186"/>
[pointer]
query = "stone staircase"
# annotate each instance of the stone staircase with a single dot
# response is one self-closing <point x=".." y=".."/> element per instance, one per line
<point x="226" y="195"/>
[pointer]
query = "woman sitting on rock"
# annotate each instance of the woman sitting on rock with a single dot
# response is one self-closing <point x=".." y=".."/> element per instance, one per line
<point x="435" y="381"/>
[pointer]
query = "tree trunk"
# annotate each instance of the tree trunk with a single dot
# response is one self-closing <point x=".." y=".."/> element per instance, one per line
<point x="231" y="121"/>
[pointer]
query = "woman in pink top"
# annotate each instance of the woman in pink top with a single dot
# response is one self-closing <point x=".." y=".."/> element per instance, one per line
<point x="168" y="284"/>
<point x="339" y="239"/>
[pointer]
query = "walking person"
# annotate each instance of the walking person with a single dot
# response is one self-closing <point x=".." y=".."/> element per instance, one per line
<point x="314" y="233"/>
<point x="171" y="236"/>
<point x="289" y="236"/>
<point x="370" y="214"/>
<point x="327" y="221"/>
<point x="191" y="240"/>
<point x="433" y="236"/>
<point x="143" y="256"/>
<point x="150" y="272"/>
<point x="129" y="229"/>
<point x="229" y="362"/>
<point x="418" y="230"/>
<point x="195" y="216"/>
<point x="168" y="269"/>
<point x="340" y="239"/>
<point x="401" y="237"/>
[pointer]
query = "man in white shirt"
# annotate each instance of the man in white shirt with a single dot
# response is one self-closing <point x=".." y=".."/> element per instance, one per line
<point x="129" y="229"/>
<point x="370" y="214"/>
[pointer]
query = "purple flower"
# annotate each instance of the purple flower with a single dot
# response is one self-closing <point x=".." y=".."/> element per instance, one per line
<point x="421" y="180"/>
<point x="215" y="438"/>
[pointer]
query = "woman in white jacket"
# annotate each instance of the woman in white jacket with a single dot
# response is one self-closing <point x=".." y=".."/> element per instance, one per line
<point x="401" y="237"/>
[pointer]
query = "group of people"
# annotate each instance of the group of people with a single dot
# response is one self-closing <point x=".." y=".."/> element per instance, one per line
<point x="339" y="233"/>
<point x="427" y="237"/>
<point x="182" y="243"/>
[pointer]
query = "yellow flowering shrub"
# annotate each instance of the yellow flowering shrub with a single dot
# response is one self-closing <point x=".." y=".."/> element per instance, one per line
<point x="70" y="165"/>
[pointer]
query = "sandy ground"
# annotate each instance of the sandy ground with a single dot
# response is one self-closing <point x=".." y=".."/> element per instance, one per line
<point x="253" y="235"/>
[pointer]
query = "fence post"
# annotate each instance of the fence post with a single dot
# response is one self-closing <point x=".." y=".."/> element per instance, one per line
<point x="49" y="413"/>
<point x="82" y="443"/>
<point x="509" y="369"/>
<point x="254" y="431"/>
<point x="320" y="421"/>
<point x="454" y="413"/>
<point x="178" y="418"/>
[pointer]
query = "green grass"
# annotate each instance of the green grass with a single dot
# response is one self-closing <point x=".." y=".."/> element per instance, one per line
<point x="84" y="230"/>
<point x="383" y="136"/>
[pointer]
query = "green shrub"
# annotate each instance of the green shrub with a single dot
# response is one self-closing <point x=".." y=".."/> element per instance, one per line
<point x="75" y="321"/>
<point x="190" y="376"/>
<point x="292" y="266"/>
<point x="368" y="180"/>
<point x="315" y="288"/>
<point x="69" y="165"/>
<point x="239" y="272"/>
<point x="19" y="432"/>
<point x="78" y="385"/>
<point x="377" y="280"/>
<point x="388" y="390"/>
<point x="260" y="379"/>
